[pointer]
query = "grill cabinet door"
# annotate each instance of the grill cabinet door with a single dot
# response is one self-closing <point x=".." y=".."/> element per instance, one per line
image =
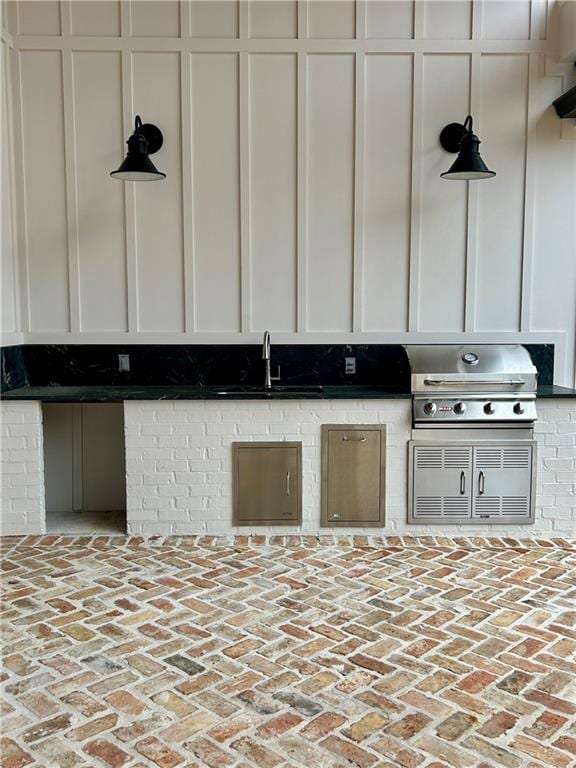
<point x="267" y="483"/>
<point x="442" y="477"/>
<point x="353" y="487"/>
<point x="503" y="483"/>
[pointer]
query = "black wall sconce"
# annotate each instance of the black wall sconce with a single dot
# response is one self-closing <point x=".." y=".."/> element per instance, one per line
<point x="565" y="105"/>
<point x="137" y="166"/>
<point x="468" y="165"/>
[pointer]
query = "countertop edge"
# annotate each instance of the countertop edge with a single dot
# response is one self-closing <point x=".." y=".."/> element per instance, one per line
<point x="113" y="394"/>
<point x="120" y="394"/>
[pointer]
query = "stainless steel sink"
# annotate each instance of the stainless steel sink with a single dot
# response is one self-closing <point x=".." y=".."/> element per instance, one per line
<point x="242" y="390"/>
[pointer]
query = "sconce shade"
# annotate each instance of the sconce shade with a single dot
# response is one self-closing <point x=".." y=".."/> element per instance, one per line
<point x="137" y="165"/>
<point x="469" y="164"/>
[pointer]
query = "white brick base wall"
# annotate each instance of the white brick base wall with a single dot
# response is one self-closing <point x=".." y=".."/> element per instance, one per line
<point x="21" y="448"/>
<point x="179" y="464"/>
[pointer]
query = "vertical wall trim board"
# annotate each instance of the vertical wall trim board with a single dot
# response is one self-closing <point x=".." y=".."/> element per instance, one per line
<point x="244" y="150"/>
<point x="302" y="194"/>
<point x="419" y="11"/>
<point x="187" y="195"/>
<point x="416" y="193"/>
<point x="72" y="223"/>
<point x="129" y="191"/>
<point x="302" y="19"/>
<point x="244" y="155"/>
<point x="185" y="19"/>
<point x="477" y="21"/>
<point x="534" y="65"/>
<point x="11" y="57"/>
<point x="23" y="218"/>
<point x="361" y="20"/>
<point x="359" y="166"/>
<point x="472" y="206"/>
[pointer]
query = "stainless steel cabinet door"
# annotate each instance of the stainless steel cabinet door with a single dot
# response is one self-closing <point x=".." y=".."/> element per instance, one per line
<point x="503" y="480"/>
<point x="267" y="483"/>
<point x="353" y="474"/>
<point x="441" y="481"/>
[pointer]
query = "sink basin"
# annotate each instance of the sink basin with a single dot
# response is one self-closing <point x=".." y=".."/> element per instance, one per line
<point x="245" y="390"/>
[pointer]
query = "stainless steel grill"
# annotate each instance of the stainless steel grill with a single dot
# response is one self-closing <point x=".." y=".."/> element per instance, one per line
<point x="472" y="454"/>
<point x="485" y="385"/>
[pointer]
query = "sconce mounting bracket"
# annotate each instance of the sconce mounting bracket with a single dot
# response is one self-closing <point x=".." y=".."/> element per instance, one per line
<point x="451" y="137"/>
<point x="153" y="136"/>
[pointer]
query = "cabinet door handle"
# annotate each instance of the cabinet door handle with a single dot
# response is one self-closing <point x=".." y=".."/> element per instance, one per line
<point x="287" y="483"/>
<point x="462" y="482"/>
<point x="481" y="482"/>
<point x="347" y="439"/>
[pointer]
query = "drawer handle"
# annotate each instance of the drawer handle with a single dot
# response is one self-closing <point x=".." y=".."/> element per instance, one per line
<point x="481" y="483"/>
<point x="287" y="483"/>
<point x="462" y="482"/>
<point x="347" y="439"/>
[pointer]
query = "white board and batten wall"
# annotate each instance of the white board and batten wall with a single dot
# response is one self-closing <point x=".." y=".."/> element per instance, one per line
<point x="303" y="191"/>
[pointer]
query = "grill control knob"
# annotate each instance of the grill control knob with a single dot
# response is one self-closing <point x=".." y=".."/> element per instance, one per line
<point x="430" y="409"/>
<point x="519" y="408"/>
<point x="460" y="408"/>
<point x="489" y="408"/>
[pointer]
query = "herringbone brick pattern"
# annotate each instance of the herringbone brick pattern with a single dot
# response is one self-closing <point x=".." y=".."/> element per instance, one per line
<point x="327" y="652"/>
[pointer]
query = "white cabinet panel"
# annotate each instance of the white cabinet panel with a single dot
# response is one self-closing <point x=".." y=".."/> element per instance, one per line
<point x="159" y="249"/>
<point x="59" y="458"/>
<point x="331" y="18"/>
<point x="273" y="18"/>
<point x="101" y="223"/>
<point x="214" y="19"/>
<point x="96" y="17"/>
<point x="84" y="457"/>
<point x="273" y="138"/>
<point x="215" y="193"/>
<point x="103" y="457"/>
<point x="387" y="173"/>
<point x="390" y="19"/>
<point x="39" y="17"/>
<point x="330" y="191"/>
<point x="506" y="19"/>
<point x="45" y="189"/>
<point x="502" y="128"/>
<point x="448" y="19"/>
<point x="443" y="203"/>
<point x="155" y="18"/>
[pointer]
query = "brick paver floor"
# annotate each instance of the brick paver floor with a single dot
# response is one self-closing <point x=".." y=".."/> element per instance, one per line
<point x="337" y="651"/>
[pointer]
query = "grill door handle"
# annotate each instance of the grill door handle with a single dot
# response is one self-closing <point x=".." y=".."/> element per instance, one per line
<point x="482" y="382"/>
<point x="481" y="483"/>
<point x="462" y="482"/>
<point x="347" y="439"/>
<point x="287" y="483"/>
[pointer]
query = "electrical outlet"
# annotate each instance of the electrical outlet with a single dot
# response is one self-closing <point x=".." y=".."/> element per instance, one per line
<point x="350" y="365"/>
<point x="123" y="362"/>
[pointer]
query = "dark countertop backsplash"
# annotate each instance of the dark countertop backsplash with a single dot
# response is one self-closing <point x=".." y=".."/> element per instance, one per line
<point x="82" y="365"/>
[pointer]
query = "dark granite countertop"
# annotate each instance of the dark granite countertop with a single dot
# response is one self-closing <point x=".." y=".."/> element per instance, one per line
<point x="118" y="393"/>
<point x="99" y="394"/>
<point x="554" y="391"/>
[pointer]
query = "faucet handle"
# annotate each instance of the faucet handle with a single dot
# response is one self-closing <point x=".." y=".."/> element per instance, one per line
<point x="277" y="377"/>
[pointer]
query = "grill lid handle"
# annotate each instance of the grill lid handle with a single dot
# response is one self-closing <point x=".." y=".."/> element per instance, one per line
<point x="484" y="382"/>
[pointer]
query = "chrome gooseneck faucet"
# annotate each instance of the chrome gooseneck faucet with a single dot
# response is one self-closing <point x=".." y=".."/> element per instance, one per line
<point x="268" y="379"/>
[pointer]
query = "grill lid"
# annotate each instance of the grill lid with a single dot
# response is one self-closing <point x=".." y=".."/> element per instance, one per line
<point x="481" y="369"/>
